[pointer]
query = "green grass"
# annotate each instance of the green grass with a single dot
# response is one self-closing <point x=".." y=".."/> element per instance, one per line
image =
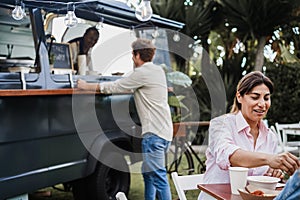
<point x="136" y="191"/>
<point x="136" y="188"/>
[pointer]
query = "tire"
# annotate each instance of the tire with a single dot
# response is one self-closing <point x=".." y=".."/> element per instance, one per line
<point x="79" y="189"/>
<point x="106" y="181"/>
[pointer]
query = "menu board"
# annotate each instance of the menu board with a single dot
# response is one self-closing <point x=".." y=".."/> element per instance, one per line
<point x="60" y="55"/>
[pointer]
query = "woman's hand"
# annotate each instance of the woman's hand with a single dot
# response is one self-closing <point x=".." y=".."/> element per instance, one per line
<point x="287" y="162"/>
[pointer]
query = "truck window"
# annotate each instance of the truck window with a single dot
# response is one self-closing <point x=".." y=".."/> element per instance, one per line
<point x="16" y="41"/>
<point x="122" y="64"/>
<point x="107" y="59"/>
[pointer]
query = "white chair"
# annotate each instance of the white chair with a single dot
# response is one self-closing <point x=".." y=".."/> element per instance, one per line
<point x="186" y="182"/>
<point x="283" y="147"/>
<point x="281" y="129"/>
<point x="121" y="196"/>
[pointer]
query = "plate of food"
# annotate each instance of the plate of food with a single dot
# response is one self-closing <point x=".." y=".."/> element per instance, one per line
<point x="254" y="193"/>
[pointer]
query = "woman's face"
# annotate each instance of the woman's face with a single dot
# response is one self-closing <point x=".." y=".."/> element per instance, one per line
<point x="256" y="103"/>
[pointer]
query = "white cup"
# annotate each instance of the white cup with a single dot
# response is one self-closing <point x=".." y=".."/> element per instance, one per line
<point x="238" y="178"/>
<point x="81" y="61"/>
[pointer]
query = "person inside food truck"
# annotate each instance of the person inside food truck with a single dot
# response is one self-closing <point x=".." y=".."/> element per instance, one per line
<point x="81" y="50"/>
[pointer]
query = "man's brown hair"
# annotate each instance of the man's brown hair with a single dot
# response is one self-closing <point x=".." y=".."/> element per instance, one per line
<point x="145" y="48"/>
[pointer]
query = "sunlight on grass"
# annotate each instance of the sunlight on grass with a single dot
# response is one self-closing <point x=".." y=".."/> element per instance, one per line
<point x="136" y="188"/>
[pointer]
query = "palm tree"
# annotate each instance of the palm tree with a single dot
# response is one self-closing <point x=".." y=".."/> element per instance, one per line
<point x="198" y="17"/>
<point x="255" y="20"/>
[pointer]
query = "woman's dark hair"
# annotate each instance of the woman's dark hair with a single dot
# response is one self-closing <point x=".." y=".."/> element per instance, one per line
<point x="247" y="83"/>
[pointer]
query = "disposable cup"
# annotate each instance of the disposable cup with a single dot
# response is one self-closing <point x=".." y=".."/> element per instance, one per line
<point x="81" y="64"/>
<point x="238" y="178"/>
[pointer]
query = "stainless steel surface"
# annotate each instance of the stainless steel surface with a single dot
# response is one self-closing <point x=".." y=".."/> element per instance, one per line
<point x="14" y="62"/>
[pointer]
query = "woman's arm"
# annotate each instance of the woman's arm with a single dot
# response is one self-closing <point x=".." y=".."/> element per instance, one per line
<point x="286" y="162"/>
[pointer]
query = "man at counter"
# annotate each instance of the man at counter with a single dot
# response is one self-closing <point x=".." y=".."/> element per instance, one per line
<point x="81" y="50"/>
<point x="149" y="85"/>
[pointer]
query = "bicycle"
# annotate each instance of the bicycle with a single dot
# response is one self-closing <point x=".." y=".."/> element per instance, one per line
<point x="181" y="153"/>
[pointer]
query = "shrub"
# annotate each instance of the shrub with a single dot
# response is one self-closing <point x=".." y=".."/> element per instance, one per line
<point x="286" y="97"/>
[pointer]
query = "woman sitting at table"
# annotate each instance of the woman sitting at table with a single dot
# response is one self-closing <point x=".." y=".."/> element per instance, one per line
<point x="240" y="138"/>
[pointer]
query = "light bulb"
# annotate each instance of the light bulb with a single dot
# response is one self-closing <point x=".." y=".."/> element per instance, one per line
<point x="155" y="33"/>
<point x="144" y="11"/>
<point x="100" y="23"/>
<point x="70" y="19"/>
<point x="132" y="32"/>
<point x="18" y="13"/>
<point x="176" y="37"/>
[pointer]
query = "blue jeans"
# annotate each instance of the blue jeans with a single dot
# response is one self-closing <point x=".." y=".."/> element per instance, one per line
<point x="291" y="190"/>
<point x="153" y="168"/>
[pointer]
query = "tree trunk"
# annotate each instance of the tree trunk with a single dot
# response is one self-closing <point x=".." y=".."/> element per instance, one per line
<point x="259" y="59"/>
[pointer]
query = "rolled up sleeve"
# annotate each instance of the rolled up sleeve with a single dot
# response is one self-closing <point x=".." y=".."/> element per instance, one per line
<point x="221" y="141"/>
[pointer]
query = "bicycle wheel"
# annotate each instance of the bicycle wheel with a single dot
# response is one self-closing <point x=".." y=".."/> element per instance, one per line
<point x="183" y="165"/>
<point x="201" y="168"/>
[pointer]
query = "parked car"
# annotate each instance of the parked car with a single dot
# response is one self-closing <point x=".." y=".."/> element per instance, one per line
<point x="51" y="133"/>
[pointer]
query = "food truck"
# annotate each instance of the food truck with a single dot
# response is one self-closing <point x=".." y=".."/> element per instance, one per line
<point x="50" y="132"/>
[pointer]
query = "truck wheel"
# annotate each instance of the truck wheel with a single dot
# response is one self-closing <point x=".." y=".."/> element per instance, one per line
<point x="106" y="181"/>
<point x="79" y="189"/>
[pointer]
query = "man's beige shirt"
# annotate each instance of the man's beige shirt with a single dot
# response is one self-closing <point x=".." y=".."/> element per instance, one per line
<point x="149" y="85"/>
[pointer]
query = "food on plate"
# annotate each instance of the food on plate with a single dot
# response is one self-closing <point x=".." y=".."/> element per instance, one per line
<point x="258" y="193"/>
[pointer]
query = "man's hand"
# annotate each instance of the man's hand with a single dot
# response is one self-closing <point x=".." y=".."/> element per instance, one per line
<point x="83" y="85"/>
<point x="274" y="173"/>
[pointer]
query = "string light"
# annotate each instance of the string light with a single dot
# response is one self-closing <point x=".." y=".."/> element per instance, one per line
<point x="155" y="33"/>
<point x="132" y="31"/>
<point x="143" y="11"/>
<point x="19" y="11"/>
<point x="176" y="37"/>
<point x="100" y="23"/>
<point x="70" y="19"/>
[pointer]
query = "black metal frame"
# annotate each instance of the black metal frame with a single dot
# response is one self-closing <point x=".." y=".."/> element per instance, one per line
<point x="113" y="12"/>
